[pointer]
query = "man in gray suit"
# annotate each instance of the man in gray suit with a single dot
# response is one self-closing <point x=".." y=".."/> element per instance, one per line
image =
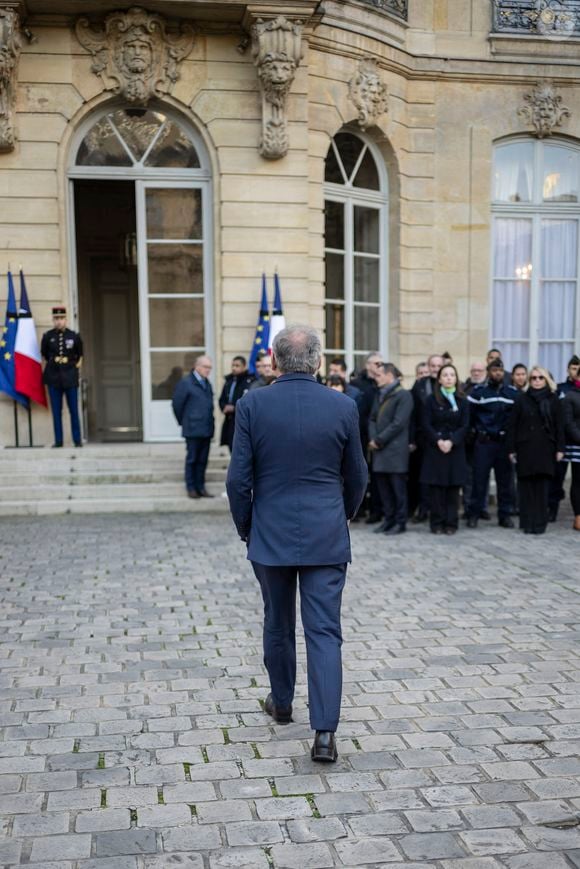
<point x="297" y="476"/>
<point x="389" y="445"/>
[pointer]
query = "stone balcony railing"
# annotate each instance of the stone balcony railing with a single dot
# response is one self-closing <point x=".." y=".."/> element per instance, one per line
<point x="536" y="17"/>
<point x="399" y="8"/>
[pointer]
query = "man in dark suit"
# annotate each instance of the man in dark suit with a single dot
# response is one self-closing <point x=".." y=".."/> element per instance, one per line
<point x="236" y="384"/>
<point x="193" y="409"/>
<point x="296" y="478"/>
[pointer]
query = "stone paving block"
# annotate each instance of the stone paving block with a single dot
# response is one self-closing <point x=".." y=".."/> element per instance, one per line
<point x="431" y="846"/>
<point x="434" y="821"/>
<point x="166" y="861"/>
<point x="482" y="817"/>
<point x="546" y="839"/>
<point x="10" y="851"/>
<point x="69" y="847"/>
<point x="189" y="792"/>
<point x="341" y="804"/>
<point x="537" y="861"/>
<point x="45" y="824"/>
<point x="115" y="843"/>
<point x="117" y="862"/>
<point x="172" y="815"/>
<point x="315" y="855"/>
<point x="364" y="852"/>
<point x="378" y="824"/>
<point x="222" y="811"/>
<point x="317" y="829"/>
<point x="97" y="820"/>
<point x="234" y="858"/>
<point x="132" y="797"/>
<point x="254" y="833"/>
<point x="195" y="837"/>
<point x="494" y="841"/>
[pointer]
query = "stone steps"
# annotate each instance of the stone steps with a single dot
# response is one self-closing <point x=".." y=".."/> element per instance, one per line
<point x="105" y="478"/>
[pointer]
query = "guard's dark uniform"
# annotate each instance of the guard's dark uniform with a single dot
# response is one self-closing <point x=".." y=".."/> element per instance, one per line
<point x="62" y="350"/>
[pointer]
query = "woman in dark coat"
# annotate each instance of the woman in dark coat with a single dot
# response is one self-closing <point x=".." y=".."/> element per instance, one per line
<point x="535" y="442"/>
<point x="571" y="410"/>
<point x="445" y="423"/>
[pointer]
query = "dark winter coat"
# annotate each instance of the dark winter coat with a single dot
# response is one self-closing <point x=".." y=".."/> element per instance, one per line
<point x="533" y="439"/>
<point x="193" y="407"/>
<point x="243" y="383"/>
<point x="368" y="389"/>
<point x="61" y="345"/>
<point x="389" y="428"/>
<point x="571" y="410"/>
<point x="440" y="422"/>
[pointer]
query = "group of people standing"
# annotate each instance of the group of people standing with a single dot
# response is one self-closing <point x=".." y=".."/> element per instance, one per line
<point x="427" y="444"/>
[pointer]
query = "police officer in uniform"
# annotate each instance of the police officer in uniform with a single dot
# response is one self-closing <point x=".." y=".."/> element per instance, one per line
<point x="63" y="351"/>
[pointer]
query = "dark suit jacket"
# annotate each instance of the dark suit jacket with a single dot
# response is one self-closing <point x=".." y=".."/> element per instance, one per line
<point x="243" y="383"/>
<point x="193" y="408"/>
<point x="297" y="472"/>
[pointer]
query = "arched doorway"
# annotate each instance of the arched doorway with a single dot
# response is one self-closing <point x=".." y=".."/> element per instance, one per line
<point x="140" y="200"/>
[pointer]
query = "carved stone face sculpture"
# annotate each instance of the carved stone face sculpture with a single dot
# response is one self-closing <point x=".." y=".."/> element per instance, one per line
<point x="137" y="55"/>
<point x="277" y="72"/>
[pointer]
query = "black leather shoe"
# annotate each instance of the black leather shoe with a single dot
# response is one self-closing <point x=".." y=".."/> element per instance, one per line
<point x="384" y="526"/>
<point x="506" y="523"/>
<point x="472" y="522"/>
<point x="205" y="494"/>
<point x="279" y="714"/>
<point x="395" y="529"/>
<point x="79" y="445"/>
<point x="191" y="493"/>
<point x="56" y="446"/>
<point x="485" y="516"/>
<point x="552" y="514"/>
<point x="324" y="748"/>
<point x="372" y="518"/>
<point x="420" y="516"/>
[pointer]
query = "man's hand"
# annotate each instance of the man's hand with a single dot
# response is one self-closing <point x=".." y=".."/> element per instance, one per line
<point x="373" y="445"/>
<point x="559" y="457"/>
<point x="229" y="408"/>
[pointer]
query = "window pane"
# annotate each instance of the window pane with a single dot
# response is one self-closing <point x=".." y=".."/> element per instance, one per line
<point x="513" y="172"/>
<point x="334" y="279"/>
<point x="334" y="224"/>
<point x="360" y="360"/>
<point x="555" y="358"/>
<point x="173" y="150"/>
<point x="513" y="352"/>
<point x="175" y="268"/>
<point x="512" y="247"/>
<point x="334" y="331"/>
<point x="511" y="309"/>
<point x="367" y="175"/>
<point x="366" y="229"/>
<point x="173" y="213"/>
<point x="557" y="309"/>
<point x="560" y="174"/>
<point x="176" y="322"/>
<point x="167" y="369"/>
<point x="137" y="128"/>
<point x="349" y="148"/>
<point x="332" y="171"/>
<point x="366" y="279"/>
<point x="366" y="328"/>
<point x="101" y="147"/>
<point x="559" y="248"/>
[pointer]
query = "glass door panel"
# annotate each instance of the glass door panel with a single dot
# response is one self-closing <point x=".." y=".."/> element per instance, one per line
<point x="172" y="277"/>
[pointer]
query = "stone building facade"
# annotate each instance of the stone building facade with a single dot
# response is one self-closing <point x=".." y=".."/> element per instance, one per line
<point x="409" y="167"/>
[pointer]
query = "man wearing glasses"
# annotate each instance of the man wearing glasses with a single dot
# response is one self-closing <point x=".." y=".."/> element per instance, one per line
<point x="63" y="351"/>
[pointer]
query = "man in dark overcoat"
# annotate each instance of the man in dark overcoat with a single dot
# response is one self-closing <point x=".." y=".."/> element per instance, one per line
<point x="297" y="476"/>
<point x="236" y="384"/>
<point x="193" y="409"/>
<point x="389" y="425"/>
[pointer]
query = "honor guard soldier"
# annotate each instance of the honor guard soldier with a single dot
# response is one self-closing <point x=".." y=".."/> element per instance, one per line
<point x="63" y="351"/>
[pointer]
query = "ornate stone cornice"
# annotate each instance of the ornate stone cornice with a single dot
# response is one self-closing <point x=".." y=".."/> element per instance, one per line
<point x="368" y="92"/>
<point x="543" y="110"/>
<point x="133" y="54"/>
<point x="10" y="45"/>
<point x="277" y="51"/>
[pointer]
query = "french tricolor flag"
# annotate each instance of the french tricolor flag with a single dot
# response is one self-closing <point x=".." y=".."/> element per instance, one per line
<point x="278" y="320"/>
<point x="27" y="364"/>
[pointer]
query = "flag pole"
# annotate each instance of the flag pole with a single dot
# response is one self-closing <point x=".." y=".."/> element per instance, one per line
<point x="16" y="438"/>
<point x="30" y="444"/>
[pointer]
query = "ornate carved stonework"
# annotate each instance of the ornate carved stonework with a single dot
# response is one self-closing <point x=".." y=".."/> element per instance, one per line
<point x="277" y="50"/>
<point x="10" y="45"/>
<point x="368" y="92"/>
<point x="133" y="53"/>
<point x="543" y="109"/>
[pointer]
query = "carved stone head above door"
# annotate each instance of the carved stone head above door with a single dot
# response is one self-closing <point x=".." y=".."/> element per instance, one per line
<point x="133" y="54"/>
<point x="10" y="45"/>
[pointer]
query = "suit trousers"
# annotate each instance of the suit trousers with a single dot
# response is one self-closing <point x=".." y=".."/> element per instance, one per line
<point x="320" y="599"/>
<point x="444" y="507"/>
<point x="56" y="395"/>
<point x="196" y="456"/>
<point x="534" y="494"/>
<point x="488" y="455"/>
<point x="557" y="493"/>
<point x="393" y="492"/>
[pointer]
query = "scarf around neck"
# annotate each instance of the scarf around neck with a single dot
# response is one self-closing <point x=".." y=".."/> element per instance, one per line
<point x="450" y="396"/>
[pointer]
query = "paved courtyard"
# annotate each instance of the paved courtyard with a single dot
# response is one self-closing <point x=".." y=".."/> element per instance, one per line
<point x="130" y="703"/>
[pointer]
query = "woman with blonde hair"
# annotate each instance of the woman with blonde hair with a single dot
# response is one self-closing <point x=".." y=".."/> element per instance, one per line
<point x="535" y="443"/>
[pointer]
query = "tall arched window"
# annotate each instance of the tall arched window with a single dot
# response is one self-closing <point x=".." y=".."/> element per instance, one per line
<point x="355" y="211"/>
<point x="536" y="211"/>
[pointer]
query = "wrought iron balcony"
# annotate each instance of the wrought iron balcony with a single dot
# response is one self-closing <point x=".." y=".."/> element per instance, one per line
<point x="399" y="8"/>
<point x="548" y="18"/>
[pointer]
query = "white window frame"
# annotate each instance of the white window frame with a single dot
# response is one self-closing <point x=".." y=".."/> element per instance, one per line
<point x="159" y="423"/>
<point x="350" y="196"/>
<point x="535" y="211"/>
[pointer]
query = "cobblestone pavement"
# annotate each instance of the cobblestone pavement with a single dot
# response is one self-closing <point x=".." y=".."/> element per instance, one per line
<point x="131" y="686"/>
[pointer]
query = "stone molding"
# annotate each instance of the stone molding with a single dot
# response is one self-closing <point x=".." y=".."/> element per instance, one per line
<point x="543" y="109"/>
<point x="277" y="51"/>
<point x="368" y="92"/>
<point x="133" y="54"/>
<point x="10" y="46"/>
